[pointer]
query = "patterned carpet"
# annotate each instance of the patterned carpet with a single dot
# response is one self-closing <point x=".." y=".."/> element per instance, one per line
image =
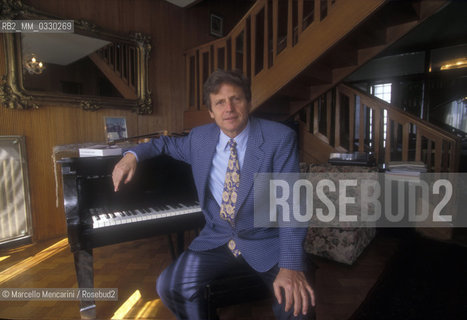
<point x="426" y="280"/>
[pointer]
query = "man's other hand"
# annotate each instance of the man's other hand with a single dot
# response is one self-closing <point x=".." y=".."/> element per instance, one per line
<point x="124" y="170"/>
<point x="297" y="291"/>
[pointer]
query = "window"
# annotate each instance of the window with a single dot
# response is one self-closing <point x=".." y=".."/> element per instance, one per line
<point x="382" y="91"/>
<point x="15" y="212"/>
<point x="456" y="115"/>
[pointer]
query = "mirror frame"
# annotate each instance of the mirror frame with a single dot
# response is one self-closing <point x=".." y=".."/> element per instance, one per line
<point x="15" y="96"/>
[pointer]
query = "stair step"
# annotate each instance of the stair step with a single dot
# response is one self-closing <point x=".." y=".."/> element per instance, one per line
<point x="343" y="54"/>
<point x="397" y="12"/>
<point x="315" y="74"/>
<point x="369" y="34"/>
<point x="295" y="90"/>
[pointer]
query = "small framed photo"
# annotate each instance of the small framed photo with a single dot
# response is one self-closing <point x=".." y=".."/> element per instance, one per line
<point x="115" y="128"/>
<point x="217" y="25"/>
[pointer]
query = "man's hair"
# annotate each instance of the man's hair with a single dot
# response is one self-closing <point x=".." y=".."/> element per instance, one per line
<point x="220" y="77"/>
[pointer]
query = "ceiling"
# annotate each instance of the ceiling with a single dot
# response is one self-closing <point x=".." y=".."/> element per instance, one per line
<point x="446" y="28"/>
<point x="443" y="34"/>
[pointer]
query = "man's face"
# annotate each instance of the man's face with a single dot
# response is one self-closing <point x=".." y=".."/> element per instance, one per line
<point x="229" y="109"/>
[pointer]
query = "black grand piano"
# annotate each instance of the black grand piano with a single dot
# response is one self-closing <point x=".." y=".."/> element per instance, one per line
<point x="160" y="199"/>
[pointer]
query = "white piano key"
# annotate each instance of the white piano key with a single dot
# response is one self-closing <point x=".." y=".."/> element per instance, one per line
<point x="106" y="218"/>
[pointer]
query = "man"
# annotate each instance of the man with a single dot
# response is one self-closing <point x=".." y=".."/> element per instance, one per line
<point x="224" y="157"/>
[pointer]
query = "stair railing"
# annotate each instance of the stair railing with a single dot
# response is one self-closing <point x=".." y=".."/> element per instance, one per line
<point x="349" y="120"/>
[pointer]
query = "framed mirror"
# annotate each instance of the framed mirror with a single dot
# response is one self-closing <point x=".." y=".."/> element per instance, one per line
<point x="90" y="67"/>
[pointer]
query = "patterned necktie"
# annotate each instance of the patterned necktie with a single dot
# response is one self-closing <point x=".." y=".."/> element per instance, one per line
<point x="229" y="194"/>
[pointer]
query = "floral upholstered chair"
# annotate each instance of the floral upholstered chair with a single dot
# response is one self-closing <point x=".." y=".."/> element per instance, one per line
<point x="341" y="244"/>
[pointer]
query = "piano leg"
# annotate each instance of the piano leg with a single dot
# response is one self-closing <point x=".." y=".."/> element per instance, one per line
<point x="180" y="242"/>
<point x="85" y="275"/>
<point x="171" y="247"/>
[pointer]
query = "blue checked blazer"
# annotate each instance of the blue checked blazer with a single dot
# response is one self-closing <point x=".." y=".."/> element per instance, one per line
<point x="271" y="147"/>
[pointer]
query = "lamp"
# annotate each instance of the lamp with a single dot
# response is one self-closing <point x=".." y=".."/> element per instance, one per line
<point x="33" y="64"/>
<point x="455" y="64"/>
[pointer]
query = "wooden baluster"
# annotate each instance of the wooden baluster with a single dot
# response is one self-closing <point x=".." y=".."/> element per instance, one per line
<point x="405" y="141"/>
<point x="308" y="111"/>
<point x="361" y="132"/>
<point x="351" y="120"/>
<point x="337" y="116"/>
<point x="275" y="23"/>
<point x="445" y="156"/>
<point x="225" y="56"/>
<point x="377" y="141"/>
<point x="253" y="46"/>
<point x="329" y="114"/>
<point x="245" y="49"/>
<point x="428" y="154"/>
<point x="387" y="150"/>
<point x="290" y="24"/>
<point x="315" y="117"/>
<point x="111" y="56"/>
<point x="126" y="63"/>
<point x="454" y="157"/>
<point x="418" y="146"/>
<point x="438" y="154"/>
<point x="299" y="19"/>
<point x="228" y="53"/>
<point x="217" y="46"/>
<point x="204" y="65"/>
<point x="317" y="12"/>
<point x="120" y="53"/>
<point x="233" y="48"/>
<point x="115" y="58"/>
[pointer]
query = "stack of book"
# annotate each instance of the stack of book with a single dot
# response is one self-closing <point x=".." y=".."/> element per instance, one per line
<point x="100" y="151"/>
<point x="406" y="168"/>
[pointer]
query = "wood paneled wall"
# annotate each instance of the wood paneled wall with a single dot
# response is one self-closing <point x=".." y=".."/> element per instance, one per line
<point x="172" y="30"/>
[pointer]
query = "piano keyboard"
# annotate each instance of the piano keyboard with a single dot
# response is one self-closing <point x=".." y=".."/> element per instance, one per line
<point x="102" y="218"/>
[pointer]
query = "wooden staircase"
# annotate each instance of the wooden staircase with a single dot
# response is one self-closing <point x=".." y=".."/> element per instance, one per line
<point x="295" y="50"/>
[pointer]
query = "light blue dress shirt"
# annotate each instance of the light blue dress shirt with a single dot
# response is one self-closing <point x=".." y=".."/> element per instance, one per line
<point x="221" y="159"/>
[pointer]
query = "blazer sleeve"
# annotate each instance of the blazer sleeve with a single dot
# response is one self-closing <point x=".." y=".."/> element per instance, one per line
<point x="176" y="147"/>
<point x="291" y="252"/>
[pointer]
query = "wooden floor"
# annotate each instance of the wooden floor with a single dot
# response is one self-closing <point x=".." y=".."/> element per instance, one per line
<point x="132" y="267"/>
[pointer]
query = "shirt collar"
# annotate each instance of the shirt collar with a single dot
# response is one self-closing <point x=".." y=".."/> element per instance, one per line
<point x="241" y="139"/>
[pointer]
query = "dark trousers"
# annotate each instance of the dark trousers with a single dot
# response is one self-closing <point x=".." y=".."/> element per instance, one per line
<point x="181" y="285"/>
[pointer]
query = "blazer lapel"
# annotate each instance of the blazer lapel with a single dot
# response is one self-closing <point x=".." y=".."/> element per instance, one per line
<point x="252" y="162"/>
<point x="206" y="151"/>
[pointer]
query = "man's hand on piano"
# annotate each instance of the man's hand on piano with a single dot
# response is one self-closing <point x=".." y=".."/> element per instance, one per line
<point x="124" y="169"/>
